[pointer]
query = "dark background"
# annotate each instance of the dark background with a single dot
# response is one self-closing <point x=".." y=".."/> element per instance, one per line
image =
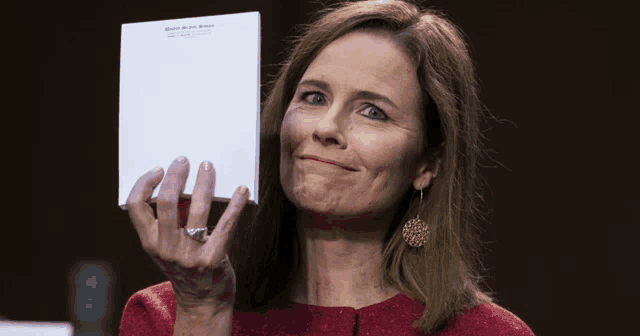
<point x="565" y="209"/>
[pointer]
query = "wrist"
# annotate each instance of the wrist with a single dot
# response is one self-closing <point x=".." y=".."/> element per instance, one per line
<point x="201" y="310"/>
<point x="203" y="320"/>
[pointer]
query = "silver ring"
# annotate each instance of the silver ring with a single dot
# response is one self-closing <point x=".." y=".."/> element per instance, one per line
<point x="199" y="234"/>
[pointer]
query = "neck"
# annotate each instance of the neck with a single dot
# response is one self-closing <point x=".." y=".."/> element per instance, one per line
<point x="341" y="259"/>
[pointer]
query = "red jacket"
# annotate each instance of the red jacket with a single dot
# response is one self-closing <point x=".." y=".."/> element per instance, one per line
<point x="152" y="311"/>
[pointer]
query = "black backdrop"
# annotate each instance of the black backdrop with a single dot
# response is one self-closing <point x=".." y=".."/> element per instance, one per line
<point x="564" y="204"/>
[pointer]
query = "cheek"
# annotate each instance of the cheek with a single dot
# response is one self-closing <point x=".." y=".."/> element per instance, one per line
<point x="295" y="130"/>
<point x="367" y="139"/>
<point x="290" y="129"/>
<point x="389" y="157"/>
<point x="290" y="139"/>
<point x="287" y="135"/>
<point x="285" y="148"/>
<point x="380" y="148"/>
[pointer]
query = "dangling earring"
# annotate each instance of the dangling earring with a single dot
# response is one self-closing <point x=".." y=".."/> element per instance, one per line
<point x="415" y="232"/>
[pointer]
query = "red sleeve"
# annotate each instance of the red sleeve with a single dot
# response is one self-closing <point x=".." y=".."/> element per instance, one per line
<point x="150" y="311"/>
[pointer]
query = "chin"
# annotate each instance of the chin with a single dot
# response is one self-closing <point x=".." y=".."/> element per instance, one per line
<point x="310" y="200"/>
<point x="322" y="204"/>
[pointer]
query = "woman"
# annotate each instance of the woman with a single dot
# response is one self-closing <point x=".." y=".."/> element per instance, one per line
<point x="372" y="121"/>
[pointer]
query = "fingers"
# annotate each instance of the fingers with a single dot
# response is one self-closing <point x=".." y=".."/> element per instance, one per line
<point x="170" y="190"/>
<point x="216" y="245"/>
<point x="202" y="195"/>
<point x="139" y="210"/>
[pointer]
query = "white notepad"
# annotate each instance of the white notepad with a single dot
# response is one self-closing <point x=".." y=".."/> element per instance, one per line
<point x="28" y="328"/>
<point x="191" y="87"/>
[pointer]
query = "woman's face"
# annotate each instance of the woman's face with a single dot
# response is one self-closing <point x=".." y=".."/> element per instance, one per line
<point x="357" y="104"/>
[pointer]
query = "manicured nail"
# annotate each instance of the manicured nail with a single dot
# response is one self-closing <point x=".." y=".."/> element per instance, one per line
<point x="239" y="192"/>
<point x="207" y="166"/>
<point x="156" y="169"/>
<point x="181" y="159"/>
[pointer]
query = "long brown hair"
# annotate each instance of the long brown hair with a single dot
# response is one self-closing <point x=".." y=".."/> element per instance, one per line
<point x="443" y="274"/>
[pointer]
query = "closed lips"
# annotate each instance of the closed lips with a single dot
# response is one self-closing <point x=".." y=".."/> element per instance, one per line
<point x="310" y="157"/>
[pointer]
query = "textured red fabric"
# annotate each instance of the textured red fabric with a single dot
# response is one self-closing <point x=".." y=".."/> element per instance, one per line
<point x="152" y="310"/>
<point x="183" y="205"/>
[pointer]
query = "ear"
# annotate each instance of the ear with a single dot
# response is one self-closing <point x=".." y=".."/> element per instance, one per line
<point x="425" y="174"/>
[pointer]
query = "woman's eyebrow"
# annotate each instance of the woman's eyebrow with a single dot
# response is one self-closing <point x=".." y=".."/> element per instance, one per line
<point x="359" y="95"/>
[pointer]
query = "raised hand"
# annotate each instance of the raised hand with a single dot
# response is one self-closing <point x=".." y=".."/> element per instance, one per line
<point x="200" y="272"/>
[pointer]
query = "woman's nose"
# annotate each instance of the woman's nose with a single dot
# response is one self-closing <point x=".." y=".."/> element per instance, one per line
<point x="329" y="128"/>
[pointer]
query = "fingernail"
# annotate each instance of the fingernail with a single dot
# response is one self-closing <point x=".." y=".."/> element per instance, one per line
<point x="244" y="191"/>
<point x="156" y="169"/>
<point x="240" y="192"/>
<point x="207" y="166"/>
<point x="181" y="159"/>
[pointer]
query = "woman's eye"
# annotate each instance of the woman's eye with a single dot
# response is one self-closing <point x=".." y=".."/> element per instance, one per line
<point x="377" y="113"/>
<point x="318" y="97"/>
<point x="314" y="94"/>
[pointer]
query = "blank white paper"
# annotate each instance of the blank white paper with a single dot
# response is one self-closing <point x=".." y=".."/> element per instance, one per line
<point x="31" y="328"/>
<point x="191" y="87"/>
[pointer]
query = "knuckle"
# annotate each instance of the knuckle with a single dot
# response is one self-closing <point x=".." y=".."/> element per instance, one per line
<point x="198" y="211"/>
<point x="166" y="202"/>
<point x="224" y="221"/>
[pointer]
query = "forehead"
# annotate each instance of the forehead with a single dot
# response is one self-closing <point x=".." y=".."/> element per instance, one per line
<point x="368" y="60"/>
<point x="365" y="53"/>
